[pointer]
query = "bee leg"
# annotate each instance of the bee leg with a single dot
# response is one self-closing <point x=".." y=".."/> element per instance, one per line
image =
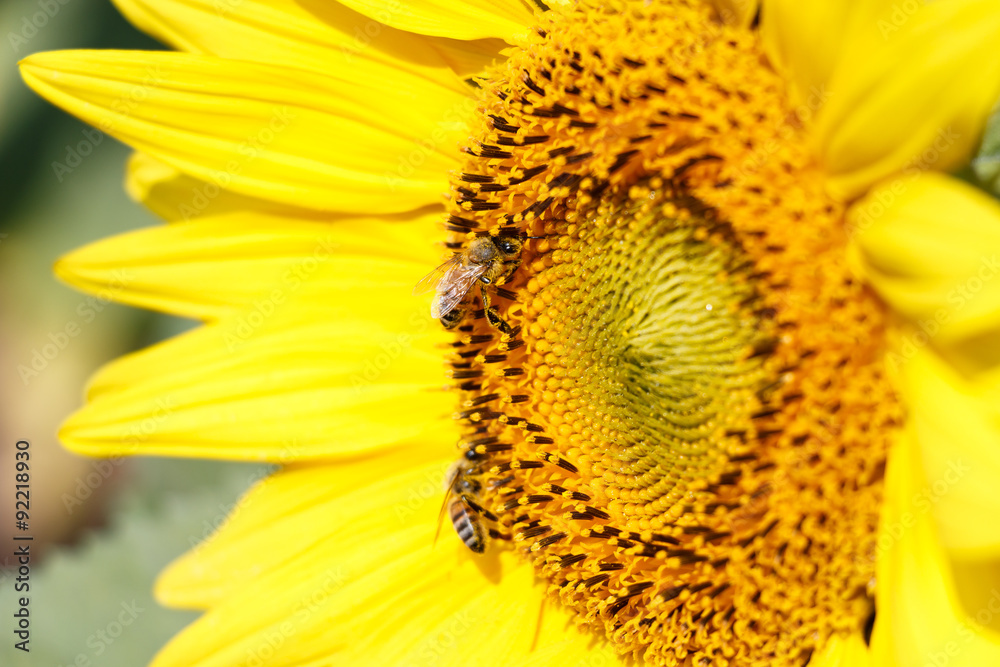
<point x="505" y="294"/>
<point x="493" y="316"/>
<point x="453" y="318"/>
<point x="509" y="269"/>
<point x="479" y="509"/>
<point x="497" y="535"/>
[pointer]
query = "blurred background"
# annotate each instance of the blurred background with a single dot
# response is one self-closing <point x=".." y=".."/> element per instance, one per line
<point x="102" y="529"/>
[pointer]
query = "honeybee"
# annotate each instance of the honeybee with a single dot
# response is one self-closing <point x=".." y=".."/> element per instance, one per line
<point x="488" y="260"/>
<point x="463" y="511"/>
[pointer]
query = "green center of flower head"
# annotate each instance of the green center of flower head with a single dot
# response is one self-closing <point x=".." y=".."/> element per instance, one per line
<point x="670" y="386"/>
<point x="650" y="327"/>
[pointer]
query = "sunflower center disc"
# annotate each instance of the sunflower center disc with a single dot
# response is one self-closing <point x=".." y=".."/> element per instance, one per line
<point x="685" y="431"/>
<point x="647" y="343"/>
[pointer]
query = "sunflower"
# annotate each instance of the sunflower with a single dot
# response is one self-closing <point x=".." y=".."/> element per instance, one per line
<point x="716" y="339"/>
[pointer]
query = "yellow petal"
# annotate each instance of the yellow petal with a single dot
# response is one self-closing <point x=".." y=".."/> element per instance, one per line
<point x="218" y="266"/>
<point x="470" y="19"/>
<point x="286" y="32"/>
<point x="362" y="263"/>
<point x="977" y="583"/>
<point x="464" y="57"/>
<point x="251" y="421"/>
<point x="370" y="139"/>
<point x="337" y="509"/>
<point x="920" y="620"/>
<point x="920" y="100"/>
<point x="350" y="358"/>
<point x="810" y="41"/>
<point x="847" y="651"/>
<point x="471" y="57"/>
<point x="930" y="245"/>
<point x="175" y="196"/>
<point x="358" y="579"/>
<point x="959" y="443"/>
<point x="578" y="649"/>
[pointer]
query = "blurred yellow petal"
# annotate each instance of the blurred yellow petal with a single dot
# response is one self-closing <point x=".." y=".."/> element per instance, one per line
<point x="470" y="19"/>
<point x="920" y="100"/>
<point x="358" y="579"/>
<point x="338" y="509"/>
<point x="396" y="134"/>
<point x="849" y="651"/>
<point x="930" y="245"/>
<point x="959" y="442"/>
<point x="804" y="41"/>
<point x="285" y="31"/>
<point x="920" y="619"/>
<point x="218" y="266"/>
<point x="977" y="583"/>
<point x="808" y="42"/>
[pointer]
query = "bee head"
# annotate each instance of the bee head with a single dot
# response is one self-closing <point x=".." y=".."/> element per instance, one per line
<point x="509" y="246"/>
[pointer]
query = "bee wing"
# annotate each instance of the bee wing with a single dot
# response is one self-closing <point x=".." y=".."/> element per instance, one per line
<point x="432" y="279"/>
<point x="450" y="479"/>
<point x="453" y="287"/>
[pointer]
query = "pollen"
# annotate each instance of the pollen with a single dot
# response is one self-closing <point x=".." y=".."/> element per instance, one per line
<point x="684" y="426"/>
